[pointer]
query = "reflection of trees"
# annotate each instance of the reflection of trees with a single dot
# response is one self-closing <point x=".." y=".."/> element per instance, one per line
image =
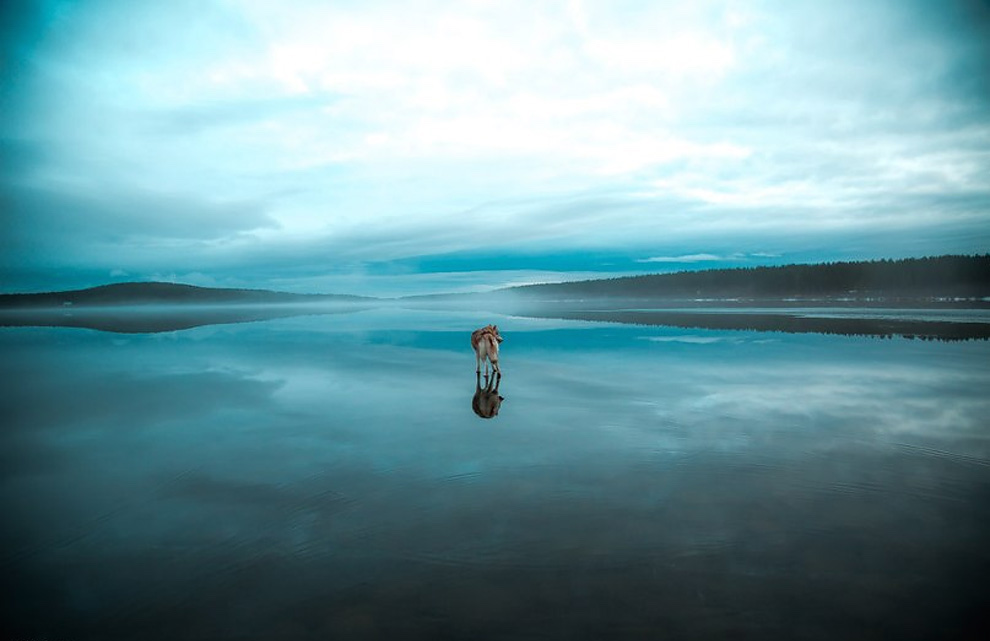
<point x="784" y="322"/>
<point x="141" y="319"/>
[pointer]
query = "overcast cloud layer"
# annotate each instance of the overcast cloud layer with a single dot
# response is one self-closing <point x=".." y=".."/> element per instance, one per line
<point x="410" y="147"/>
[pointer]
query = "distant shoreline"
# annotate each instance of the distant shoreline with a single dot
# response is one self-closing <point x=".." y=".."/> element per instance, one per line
<point x="763" y="298"/>
<point x="915" y="279"/>
<point x="158" y="293"/>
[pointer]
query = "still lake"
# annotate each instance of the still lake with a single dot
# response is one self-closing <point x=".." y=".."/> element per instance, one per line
<point x="326" y="477"/>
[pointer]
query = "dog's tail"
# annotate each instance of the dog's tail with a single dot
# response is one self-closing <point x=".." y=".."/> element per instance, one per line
<point x="493" y="352"/>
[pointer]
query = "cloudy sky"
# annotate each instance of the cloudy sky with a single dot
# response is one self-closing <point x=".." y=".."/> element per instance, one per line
<point x="418" y="146"/>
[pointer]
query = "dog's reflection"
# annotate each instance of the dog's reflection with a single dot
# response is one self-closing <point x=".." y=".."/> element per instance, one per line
<point x="486" y="399"/>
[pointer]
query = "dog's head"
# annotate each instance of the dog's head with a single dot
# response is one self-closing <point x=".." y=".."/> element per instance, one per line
<point x="494" y="330"/>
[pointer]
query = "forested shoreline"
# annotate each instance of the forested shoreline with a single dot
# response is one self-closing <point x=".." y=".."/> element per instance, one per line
<point x="949" y="277"/>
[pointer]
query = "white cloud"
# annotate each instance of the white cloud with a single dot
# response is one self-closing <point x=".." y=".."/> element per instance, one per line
<point x="438" y="81"/>
<point x="699" y="56"/>
<point x="687" y="258"/>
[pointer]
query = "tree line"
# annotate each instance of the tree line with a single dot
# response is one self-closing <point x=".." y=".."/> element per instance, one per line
<point x="930" y="277"/>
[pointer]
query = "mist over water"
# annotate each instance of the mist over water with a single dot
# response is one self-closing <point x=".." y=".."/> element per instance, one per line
<point x="327" y="477"/>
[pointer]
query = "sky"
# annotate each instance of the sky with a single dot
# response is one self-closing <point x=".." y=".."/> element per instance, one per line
<point x="407" y="147"/>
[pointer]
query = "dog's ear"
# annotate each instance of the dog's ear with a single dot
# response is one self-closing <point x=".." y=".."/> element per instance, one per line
<point x="495" y="328"/>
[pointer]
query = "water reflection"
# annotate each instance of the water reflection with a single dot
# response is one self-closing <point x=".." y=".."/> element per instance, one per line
<point x="290" y="479"/>
<point x="942" y="323"/>
<point x="146" y="319"/>
<point x="487" y="400"/>
<point x="926" y="324"/>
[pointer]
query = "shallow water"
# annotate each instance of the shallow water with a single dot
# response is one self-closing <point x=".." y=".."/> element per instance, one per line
<point x="326" y="477"/>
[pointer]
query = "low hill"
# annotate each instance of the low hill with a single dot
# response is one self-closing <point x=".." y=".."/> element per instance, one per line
<point x="155" y="293"/>
<point x="942" y="277"/>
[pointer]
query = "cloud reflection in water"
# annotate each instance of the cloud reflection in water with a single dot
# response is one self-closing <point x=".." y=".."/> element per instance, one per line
<point x="316" y="476"/>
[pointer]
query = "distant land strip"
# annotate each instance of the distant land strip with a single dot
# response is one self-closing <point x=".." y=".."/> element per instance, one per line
<point x="934" y="279"/>
<point x="157" y="293"/>
<point x="760" y="298"/>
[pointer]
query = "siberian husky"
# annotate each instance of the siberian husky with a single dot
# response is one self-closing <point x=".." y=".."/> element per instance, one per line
<point x="485" y="343"/>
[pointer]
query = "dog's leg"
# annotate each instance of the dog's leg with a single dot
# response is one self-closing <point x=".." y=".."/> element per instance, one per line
<point x="493" y="356"/>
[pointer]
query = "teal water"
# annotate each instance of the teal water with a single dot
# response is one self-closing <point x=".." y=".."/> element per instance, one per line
<point x="326" y="477"/>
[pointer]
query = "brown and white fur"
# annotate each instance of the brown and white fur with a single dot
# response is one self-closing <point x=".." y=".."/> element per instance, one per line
<point x="485" y="343"/>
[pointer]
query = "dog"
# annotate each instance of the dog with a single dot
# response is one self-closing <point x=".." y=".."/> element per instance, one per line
<point x="485" y="343"/>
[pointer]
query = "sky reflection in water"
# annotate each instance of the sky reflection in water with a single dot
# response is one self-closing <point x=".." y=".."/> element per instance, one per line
<point x="319" y="476"/>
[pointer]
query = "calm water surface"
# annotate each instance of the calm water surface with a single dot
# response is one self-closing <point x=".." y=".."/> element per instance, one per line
<point x="327" y="477"/>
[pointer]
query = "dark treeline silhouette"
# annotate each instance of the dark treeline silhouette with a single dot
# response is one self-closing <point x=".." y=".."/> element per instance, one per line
<point x="916" y="278"/>
<point x="162" y="294"/>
